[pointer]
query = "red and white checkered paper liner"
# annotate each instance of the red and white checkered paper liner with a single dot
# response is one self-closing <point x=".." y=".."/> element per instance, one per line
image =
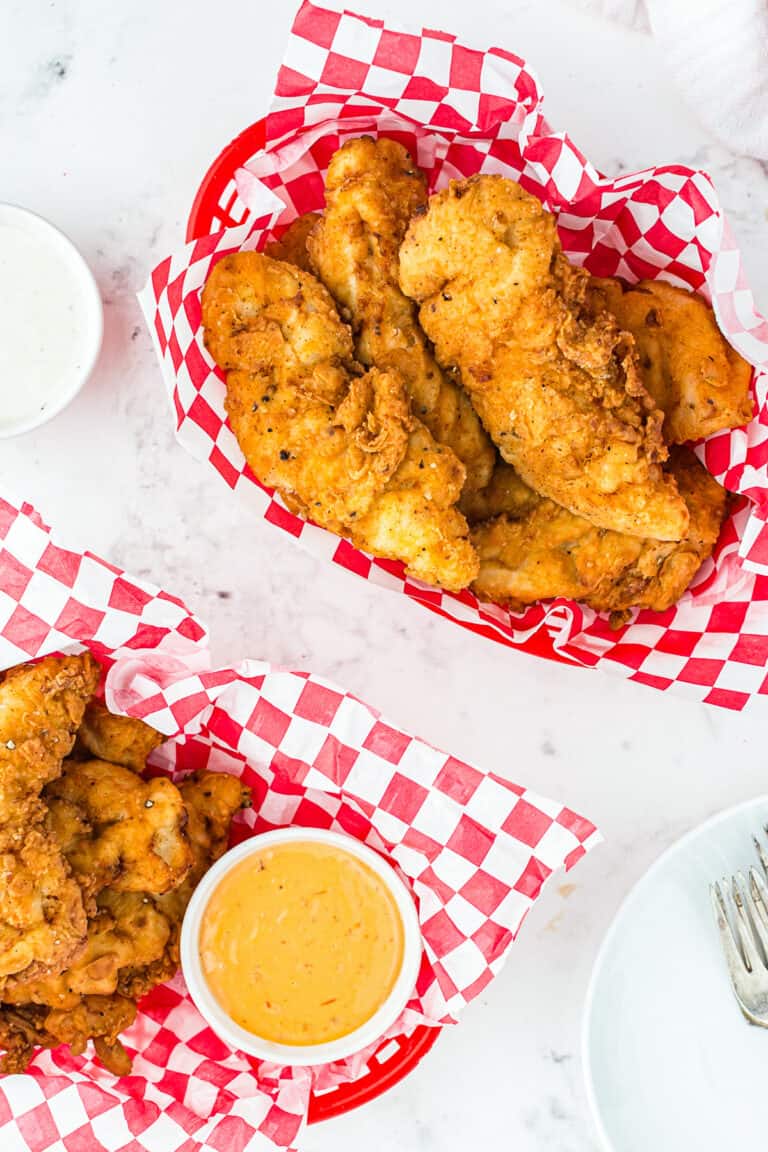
<point x="461" y="110"/>
<point x="475" y="848"/>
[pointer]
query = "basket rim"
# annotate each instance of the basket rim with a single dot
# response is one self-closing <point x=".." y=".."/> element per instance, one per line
<point x="240" y="149"/>
<point x="347" y="1097"/>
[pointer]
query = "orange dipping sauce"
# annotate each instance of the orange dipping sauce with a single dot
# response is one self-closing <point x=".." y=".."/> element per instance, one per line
<point x="301" y="943"/>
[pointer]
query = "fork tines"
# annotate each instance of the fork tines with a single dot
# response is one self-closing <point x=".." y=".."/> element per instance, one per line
<point x="761" y="852"/>
<point x="744" y="936"/>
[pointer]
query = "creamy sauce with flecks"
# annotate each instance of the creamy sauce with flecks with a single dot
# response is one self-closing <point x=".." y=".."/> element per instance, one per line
<point x="44" y="335"/>
<point x="301" y="943"/>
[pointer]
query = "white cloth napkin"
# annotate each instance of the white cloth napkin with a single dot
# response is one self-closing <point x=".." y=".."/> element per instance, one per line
<point x="717" y="52"/>
<point x="718" y="55"/>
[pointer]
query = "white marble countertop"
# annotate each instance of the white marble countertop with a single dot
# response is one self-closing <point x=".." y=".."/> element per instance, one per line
<point x="91" y="136"/>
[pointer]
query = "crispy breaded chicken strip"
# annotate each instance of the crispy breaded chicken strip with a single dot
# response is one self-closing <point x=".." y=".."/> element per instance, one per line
<point x="372" y="190"/>
<point x="211" y="800"/>
<point x="117" y="829"/>
<point x="558" y="392"/>
<point x="41" y="707"/>
<point x="100" y="1018"/>
<point x="126" y="930"/>
<point x="118" y="739"/>
<point x="292" y="245"/>
<point x="97" y="1018"/>
<point x="343" y="449"/>
<point x="549" y="552"/>
<point x="132" y="945"/>
<point x="42" y="918"/>
<point x="697" y="379"/>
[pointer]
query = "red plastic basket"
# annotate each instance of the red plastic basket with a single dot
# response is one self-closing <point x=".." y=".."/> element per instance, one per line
<point x="212" y="210"/>
<point x="215" y="207"/>
<point x="216" y="196"/>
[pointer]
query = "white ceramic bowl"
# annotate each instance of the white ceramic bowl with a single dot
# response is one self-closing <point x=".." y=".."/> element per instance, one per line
<point x="56" y="299"/>
<point x="293" y="1054"/>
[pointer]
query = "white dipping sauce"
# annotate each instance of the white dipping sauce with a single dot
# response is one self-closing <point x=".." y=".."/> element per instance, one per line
<point x="50" y="320"/>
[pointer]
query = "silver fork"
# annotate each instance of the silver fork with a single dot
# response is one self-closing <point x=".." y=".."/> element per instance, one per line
<point x="746" y="952"/>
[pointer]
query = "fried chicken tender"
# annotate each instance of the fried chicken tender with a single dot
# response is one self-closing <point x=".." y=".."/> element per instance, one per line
<point x="694" y="375"/>
<point x="292" y="245"/>
<point x="132" y="943"/>
<point x="41" y="707"/>
<point x="118" y="739"/>
<point x="42" y="918"/>
<point x="126" y="931"/>
<point x="211" y="800"/>
<point x="342" y="448"/>
<point x="549" y="552"/>
<point x="117" y="829"/>
<point x="372" y="190"/>
<point x="100" y="1018"/>
<point x="558" y="391"/>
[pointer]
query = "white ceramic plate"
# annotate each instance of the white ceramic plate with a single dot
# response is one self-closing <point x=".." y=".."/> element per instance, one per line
<point x="670" y="1063"/>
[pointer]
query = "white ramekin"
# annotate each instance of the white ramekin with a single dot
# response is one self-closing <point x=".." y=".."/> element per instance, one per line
<point x="239" y="1038"/>
<point x="93" y="319"/>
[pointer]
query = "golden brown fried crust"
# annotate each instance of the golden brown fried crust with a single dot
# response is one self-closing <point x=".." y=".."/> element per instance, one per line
<point x="94" y="1017"/>
<point x="42" y="918"/>
<point x="211" y="800"/>
<point x="336" y="444"/>
<point x="100" y="1018"/>
<point x="373" y="189"/>
<point x="97" y="1018"/>
<point x="41" y="707"/>
<point x="116" y="829"/>
<point x="126" y="930"/>
<point x="292" y="245"/>
<point x="118" y="739"/>
<point x="42" y="911"/>
<point x="134" y="862"/>
<point x="549" y="552"/>
<point x="20" y="1031"/>
<point x="557" y="388"/>
<point x="505" y="494"/>
<point x="697" y="379"/>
